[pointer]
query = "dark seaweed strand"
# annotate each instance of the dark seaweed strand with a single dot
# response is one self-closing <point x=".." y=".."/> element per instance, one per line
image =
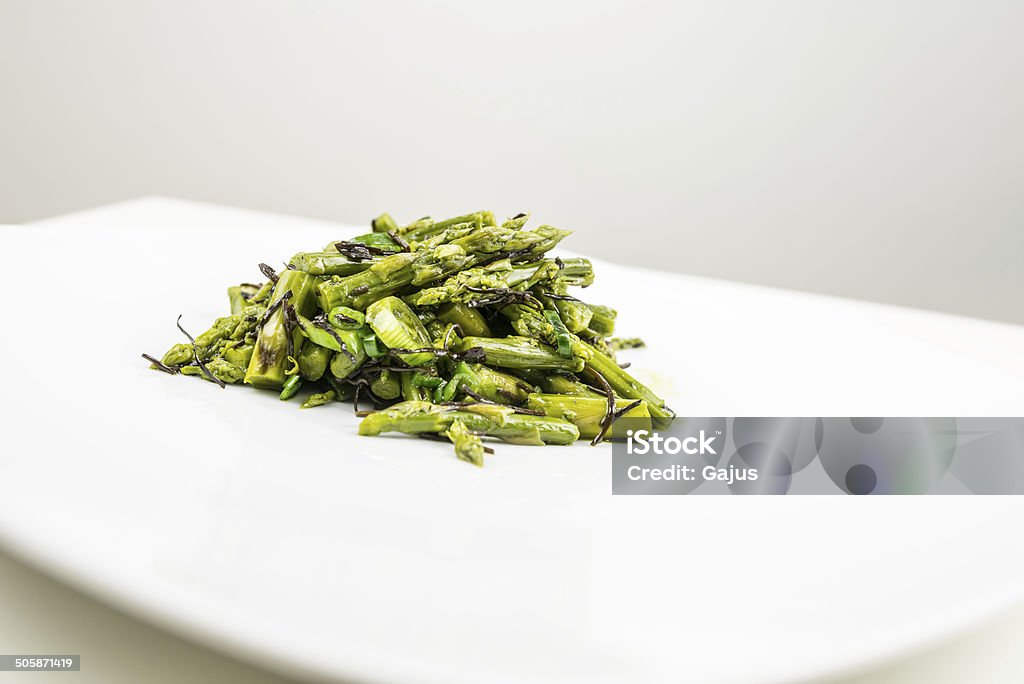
<point x="269" y="272"/>
<point x="470" y="393"/>
<point x="270" y="309"/>
<point x="518" y="253"/>
<point x="361" y="381"/>
<point x="626" y="409"/>
<point x="321" y="322"/>
<point x="505" y="393"/>
<point x="291" y="322"/>
<point x="357" y="251"/>
<point x="340" y="317"/>
<point x="481" y="400"/>
<point x="559" y="263"/>
<point x="451" y="329"/>
<point x="160" y="366"/>
<point x="355" y="402"/>
<point x="360" y="290"/>
<point x="195" y="355"/>
<point x="498" y="256"/>
<point x="393" y="369"/>
<point x="399" y="241"/>
<point x="432" y="436"/>
<point x="500" y="296"/>
<point x="609" y="415"/>
<point x="472" y="355"/>
<point x="246" y="296"/>
<point x="565" y="298"/>
<point x="344" y="350"/>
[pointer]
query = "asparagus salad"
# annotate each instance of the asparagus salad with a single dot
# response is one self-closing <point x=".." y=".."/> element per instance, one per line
<point x="452" y="330"/>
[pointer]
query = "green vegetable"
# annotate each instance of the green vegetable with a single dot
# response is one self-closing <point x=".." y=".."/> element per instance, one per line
<point x="347" y="361"/>
<point x="344" y="318"/>
<point x="461" y="328"/>
<point x="399" y="328"/>
<point x="318" y="399"/>
<point x="240" y="295"/>
<point x="602" y="319"/>
<point x="270" y="357"/>
<point x="313" y="361"/>
<point x="625" y="385"/>
<point x="291" y="387"/>
<point x="469" y="320"/>
<point x="520" y="352"/>
<point x="496" y="421"/>
<point x="468" y="446"/>
<point x="386" y="385"/>
<point x="587" y="413"/>
<point x="329" y="263"/>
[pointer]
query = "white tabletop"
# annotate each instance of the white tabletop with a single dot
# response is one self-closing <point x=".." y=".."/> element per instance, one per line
<point x="42" y="616"/>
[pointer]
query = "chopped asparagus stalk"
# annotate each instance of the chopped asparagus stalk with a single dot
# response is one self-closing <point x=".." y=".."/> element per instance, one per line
<point x="238" y="355"/>
<point x="221" y="369"/>
<point x="399" y="328"/>
<point x="496" y="421"/>
<point x="330" y="263"/>
<point x="386" y="385"/>
<point x="520" y="352"/>
<point x="291" y="387"/>
<point x="587" y="413"/>
<point x="239" y="296"/>
<point x="351" y="357"/>
<point x="426" y="228"/>
<point x="344" y="318"/>
<point x="313" y="361"/>
<point x="576" y="271"/>
<point x="493" y="385"/>
<point x="561" y="333"/>
<point x="410" y="390"/>
<point x="469" y="320"/>
<point x="575" y="314"/>
<point x="620" y="343"/>
<point x="385" y="224"/>
<point x="468" y="446"/>
<point x="626" y="386"/>
<point x="318" y="399"/>
<point x="602" y="321"/>
<point x="568" y="385"/>
<point x="270" y="358"/>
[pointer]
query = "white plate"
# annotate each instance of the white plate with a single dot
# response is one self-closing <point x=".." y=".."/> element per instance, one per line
<point x="281" y="536"/>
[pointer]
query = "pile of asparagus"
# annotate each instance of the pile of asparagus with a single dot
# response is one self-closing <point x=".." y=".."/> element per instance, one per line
<point x="454" y="330"/>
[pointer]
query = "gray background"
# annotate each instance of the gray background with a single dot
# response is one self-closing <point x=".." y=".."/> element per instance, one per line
<point x="868" y="149"/>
